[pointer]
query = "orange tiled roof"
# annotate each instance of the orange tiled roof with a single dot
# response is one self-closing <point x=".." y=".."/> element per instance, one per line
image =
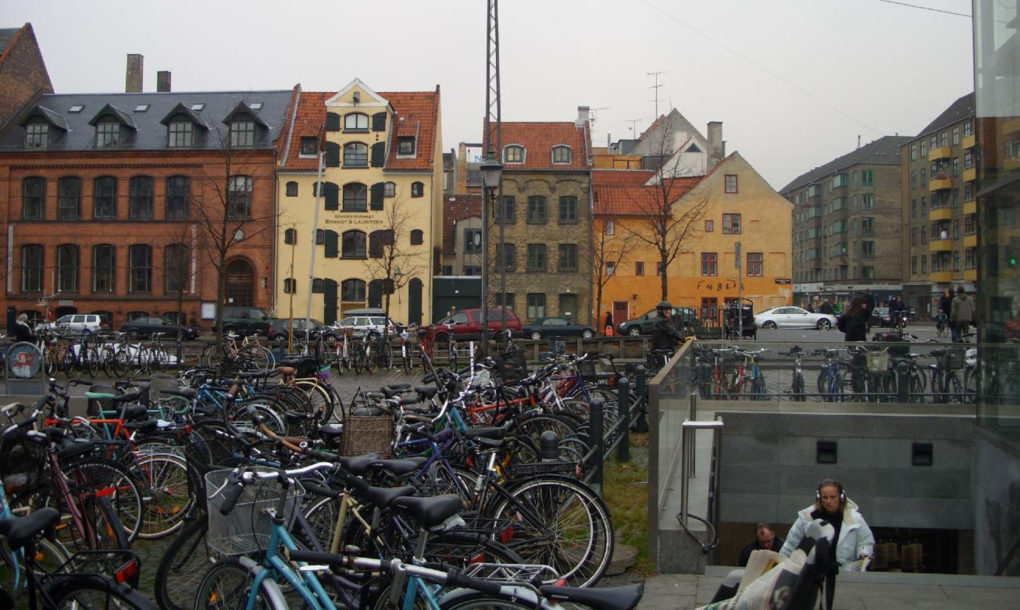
<point x="538" y="139"/>
<point x="636" y="199"/>
<point x="309" y="122"/>
<point x="621" y="176"/>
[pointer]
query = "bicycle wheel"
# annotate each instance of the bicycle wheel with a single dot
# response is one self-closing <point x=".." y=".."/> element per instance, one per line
<point x="953" y="388"/>
<point x="212" y="355"/>
<point x="182" y="566"/>
<point x="84" y="591"/>
<point x="465" y="599"/>
<point x="406" y="361"/>
<point x="559" y="522"/>
<point x="226" y="586"/>
<point x="117" y="484"/>
<point x="103" y="529"/>
<point x="258" y="357"/>
<point x="49" y="556"/>
<point x="169" y="494"/>
<point x="798" y="387"/>
<point x="90" y="361"/>
<point x="368" y="361"/>
<point x="317" y="398"/>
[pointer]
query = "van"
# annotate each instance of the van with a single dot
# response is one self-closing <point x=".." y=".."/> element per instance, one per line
<point x="78" y="323"/>
<point x="246" y="320"/>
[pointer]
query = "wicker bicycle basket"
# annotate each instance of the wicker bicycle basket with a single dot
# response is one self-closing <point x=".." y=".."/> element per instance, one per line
<point x="878" y="362"/>
<point x="367" y="434"/>
<point x="247" y="527"/>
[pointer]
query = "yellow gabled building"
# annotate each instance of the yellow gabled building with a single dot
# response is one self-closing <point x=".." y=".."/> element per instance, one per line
<point x="373" y="229"/>
<point x="732" y="203"/>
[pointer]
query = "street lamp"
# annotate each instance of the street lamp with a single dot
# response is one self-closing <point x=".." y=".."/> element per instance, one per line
<point x="492" y="173"/>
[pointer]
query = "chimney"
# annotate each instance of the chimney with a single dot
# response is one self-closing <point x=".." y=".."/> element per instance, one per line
<point x="163" y="81"/>
<point x="715" y="143"/>
<point x="583" y="115"/>
<point x="133" y="80"/>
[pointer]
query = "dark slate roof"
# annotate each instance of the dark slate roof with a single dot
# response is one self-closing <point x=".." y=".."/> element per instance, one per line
<point x="959" y="110"/>
<point x="149" y="131"/>
<point x="883" y="151"/>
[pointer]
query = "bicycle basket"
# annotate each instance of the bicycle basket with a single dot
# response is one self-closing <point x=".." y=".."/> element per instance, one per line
<point x="512" y="366"/>
<point x="246" y="529"/>
<point x="878" y="362"/>
<point x="950" y="359"/>
<point x="367" y="434"/>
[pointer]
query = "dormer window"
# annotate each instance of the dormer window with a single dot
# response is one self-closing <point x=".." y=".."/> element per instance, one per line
<point x="180" y="133"/>
<point x="513" y="154"/>
<point x="309" y="146"/>
<point x="561" y="154"/>
<point x="107" y="134"/>
<point x="406" y="146"/>
<point x="37" y="135"/>
<point x="242" y="132"/>
<point x="356" y="121"/>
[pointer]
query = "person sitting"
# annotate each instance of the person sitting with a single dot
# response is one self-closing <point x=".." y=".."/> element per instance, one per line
<point x="764" y="539"/>
<point x="22" y="331"/>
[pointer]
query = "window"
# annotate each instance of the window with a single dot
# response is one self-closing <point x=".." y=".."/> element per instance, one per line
<point x="472" y="270"/>
<point x="309" y="146"/>
<point x="968" y="128"/>
<point x="838" y="181"/>
<point x="867" y="177"/>
<point x="406" y="146"/>
<point x="513" y="154"/>
<point x="639" y="268"/>
<point x="956" y="136"/>
<point x="709" y="226"/>
<point x="536" y="209"/>
<point x="472" y="241"/>
<point x="290" y="236"/>
<point x="536" y="305"/>
<point x="731" y="224"/>
<point x="867" y="202"/>
<point x="924" y="263"/>
<point x="417" y="237"/>
<point x="140" y="268"/>
<point x="33" y="199"/>
<point x="389" y="189"/>
<point x="353" y="245"/>
<point x="104" y="265"/>
<point x="178" y="197"/>
<point x="69" y="198"/>
<point x="968" y="160"/>
<point x="176" y="263"/>
<point x="506" y="257"/>
<point x="377" y="241"/>
<point x="292" y="188"/>
<point x="417" y="189"/>
<point x="568" y="209"/>
<point x="610" y="227"/>
<point x="318" y="285"/>
<point x="755" y="264"/>
<point x="352" y="290"/>
<point x="355" y="154"/>
<point x="956" y="166"/>
<point x="239" y="198"/>
<point x="709" y="264"/>
<point x="242" y="133"/>
<point x="32" y="265"/>
<point x="731" y="183"/>
<point x="561" y="154"/>
<point x="536" y="257"/>
<point x="105" y="197"/>
<point x="505" y="300"/>
<point x="37" y="135"/>
<point x="924" y="178"/>
<point x="867" y="225"/>
<point x="944" y="139"/>
<point x="355" y="197"/>
<point x="289" y="285"/>
<point x="610" y="269"/>
<point x="913" y="152"/>
<point x="568" y="258"/>
<point x="140" y="204"/>
<point x="867" y="249"/>
<point x="107" y="134"/>
<point x="356" y="121"/>
<point x="180" y="133"/>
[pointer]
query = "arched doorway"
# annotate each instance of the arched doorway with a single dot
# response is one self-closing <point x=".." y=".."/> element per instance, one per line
<point x="240" y="284"/>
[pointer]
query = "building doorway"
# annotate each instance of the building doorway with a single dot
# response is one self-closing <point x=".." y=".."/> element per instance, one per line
<point x="240" y="290"/>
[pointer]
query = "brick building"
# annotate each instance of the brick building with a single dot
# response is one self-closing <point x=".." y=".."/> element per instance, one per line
<point x="23" y="75"/>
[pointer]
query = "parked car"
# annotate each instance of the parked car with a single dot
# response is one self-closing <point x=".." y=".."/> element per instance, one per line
<point x="77" y="323"/>
<point x="467" y="325"/>
<point x="279" y="328"/>
<point x="881" y="317"/>
<point x="793" y="317"/>
<point x="370" y="321"/>
<point x="246" y="320"/>
<point x="556" y="327"/>
<point x="683" y="317"/>
<point x="144" y="327"/>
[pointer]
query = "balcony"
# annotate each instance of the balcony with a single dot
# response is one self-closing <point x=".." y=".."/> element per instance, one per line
<point x="970" y="241"/>
<point x="970" y="174"/>
<point x="970" y="275"/>
<point x="940" y="245"/>
<point x="969" y="207"/>
<point x="940" y="214"/>
<point x="969" y="142"/>
<point x="939" y="184"/>
<point x="942" y="152"/>
<point x="941" y="277"/>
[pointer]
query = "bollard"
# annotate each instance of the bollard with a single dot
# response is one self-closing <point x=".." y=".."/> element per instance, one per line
<point x="548" y="446"/>
<point x="623" y="401"/>
<point x="597" y="442"/>
<point x="903" y="380"/>
<point x="641" y="425"/>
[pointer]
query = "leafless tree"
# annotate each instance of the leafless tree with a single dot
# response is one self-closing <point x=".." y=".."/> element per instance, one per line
<point x="180" y="269"/>
<point x="607" y="252"/>
<point x="388" y="254"/>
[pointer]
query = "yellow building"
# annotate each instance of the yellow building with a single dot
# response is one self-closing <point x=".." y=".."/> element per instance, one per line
<point x="375" y="221"/>
<point x="731" y="204"/>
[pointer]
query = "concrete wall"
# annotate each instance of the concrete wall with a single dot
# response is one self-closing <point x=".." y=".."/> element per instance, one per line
<point x="996" y="503"/>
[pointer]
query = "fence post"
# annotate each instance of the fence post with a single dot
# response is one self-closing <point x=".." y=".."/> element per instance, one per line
<point x="598" y="442"/>
<point x="641" y="425"/>
<point x="903" y="380"/>
<point x="623" y="400"/>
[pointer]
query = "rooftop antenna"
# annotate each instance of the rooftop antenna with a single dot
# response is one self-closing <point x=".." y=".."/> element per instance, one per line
<point x="633" y="126"/>
<point x="594" y="116"/>
<point x="656" y="87"/>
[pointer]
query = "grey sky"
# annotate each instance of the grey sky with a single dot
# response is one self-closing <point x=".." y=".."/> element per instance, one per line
<point x="795" y="82"/>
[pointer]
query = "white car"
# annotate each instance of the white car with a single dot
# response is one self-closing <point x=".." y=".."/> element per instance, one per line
<point x="793" y="317"/>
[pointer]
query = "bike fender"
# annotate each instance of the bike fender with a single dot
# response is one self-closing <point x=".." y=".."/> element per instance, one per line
<point x="259" y="575"/>
<point x="516" y="592"/>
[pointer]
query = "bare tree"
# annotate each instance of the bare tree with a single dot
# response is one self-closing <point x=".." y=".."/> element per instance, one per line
<point x="388" y="259"/>
<point x="607" y="252"/>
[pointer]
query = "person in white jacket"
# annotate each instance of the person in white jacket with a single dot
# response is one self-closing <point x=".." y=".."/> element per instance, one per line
<point x="854" y="539"/>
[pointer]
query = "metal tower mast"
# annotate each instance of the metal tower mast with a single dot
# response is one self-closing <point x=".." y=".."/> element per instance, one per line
<point x="493" y="114"/>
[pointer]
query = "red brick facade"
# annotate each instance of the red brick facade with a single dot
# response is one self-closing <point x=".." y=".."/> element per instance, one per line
<point x="23" y="74"/>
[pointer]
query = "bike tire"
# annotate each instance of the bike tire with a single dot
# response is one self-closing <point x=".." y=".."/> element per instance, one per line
<point x="226" y="585"/>
<point x="798" y="387"/>
<point x="93" y="591"/>
<point x="170" y="496"/>
<point x="406" y="361"/>
<point x="368" y="362"/>
<point x="464" y="599"/>
<point x="183" y="565"/>
<point x="117" y="484"/>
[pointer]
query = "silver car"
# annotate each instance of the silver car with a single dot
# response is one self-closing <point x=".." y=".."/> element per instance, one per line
<point x="793" y="317"/>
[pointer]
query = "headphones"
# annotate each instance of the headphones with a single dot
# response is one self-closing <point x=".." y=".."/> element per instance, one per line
<point x="830" y="483"/>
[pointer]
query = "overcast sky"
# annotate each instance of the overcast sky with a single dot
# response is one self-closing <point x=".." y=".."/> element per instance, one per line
<point x="794" y="82"/>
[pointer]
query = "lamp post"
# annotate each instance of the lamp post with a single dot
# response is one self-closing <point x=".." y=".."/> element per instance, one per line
<point x="492" y="174"/>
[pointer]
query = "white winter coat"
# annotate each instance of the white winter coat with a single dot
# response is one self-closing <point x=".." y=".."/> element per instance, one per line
<point x="855" y="538"/>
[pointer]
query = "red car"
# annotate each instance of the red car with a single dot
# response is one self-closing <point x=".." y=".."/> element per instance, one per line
<point x="466" y="325"/>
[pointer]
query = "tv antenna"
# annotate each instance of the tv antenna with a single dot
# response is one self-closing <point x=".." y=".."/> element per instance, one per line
<point x="656" y="87"/>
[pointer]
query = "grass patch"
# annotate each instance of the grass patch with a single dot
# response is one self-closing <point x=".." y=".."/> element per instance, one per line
<point x="625" y="492"/>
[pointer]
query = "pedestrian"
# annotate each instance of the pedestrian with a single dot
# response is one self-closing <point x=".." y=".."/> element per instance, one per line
<point x="764" y="539"/>
<point x="826" y="307"/>
<point x="852" y="539"/>
<point x="22" y="331"/>
<point x="665" y="335"/>
<point x="870" y="298"/>
<point x="961" y="314"/>
<point x="609" y="323"/>
<point x="942" y="316"/>
<point x="854" y="323"/>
